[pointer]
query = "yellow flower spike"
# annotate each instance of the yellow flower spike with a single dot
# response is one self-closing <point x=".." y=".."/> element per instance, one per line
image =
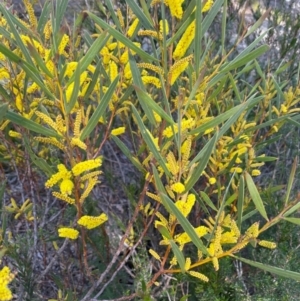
<point x="227" y="221"/>
<point x="66" y="187"/>
<point x="6" y="276"/>
<point x="62" y="45"/>
<point x="151" y="67"/>
<point x="154" y="254"/>
<point x="186" y="149"/>
<point x="198" y="275"/>
<point x="178" y="187"/>
<point x="90" y="175"/>
<point x="207" y="6"/>
<point x="47" y="120"/>
<point x="215" y="262"/>
<point x="236" y="169"/>
<point x="19" y="102"/>
<point x="151" y="80"/>
<point x="187" y="263"/>
<point x="118" y="131"/>
<point x="255" y="172"/>
<point x="175" y="8"/>
<point x="91" y="183"/>
<point x="79" y="143"/>
<point x="153" y="196"/>
<point x="68" y="233"/>
<point x="150" y="33"/>
<point x="91" y="222"/>
<point x="178" y="68"/>
<point x="121" y="18"/>
<point x="14" y="134"/>
<point x="113" y="70"/>
<point x="172" y="164"/>
<point x="217" y="240"/>
<point x="235" y="228"/>
<point x="185" y="42"/>
<point x="4" y="125"/>
<point x="132" y="28"/>
<point x="50" y="140"/>
<point x="60" y="124"/>
<point x="267" y="244"/>
<point x="77" y="123"/>
<point x="211" y="250"/>
<point x="228" y="238"/>
<point x="157" y="117"/>
<point x="163" y="23"/>
<point x="47" y="30"/>
<point x="31" y="15"/>
<point x="71" y="67"/>
<point x="253" y="230"/>
<point x="63" y="197"/>
<point x="81" y="167"/>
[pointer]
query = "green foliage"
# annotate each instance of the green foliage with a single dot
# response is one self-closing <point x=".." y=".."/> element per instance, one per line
<point x="197" y="136"/>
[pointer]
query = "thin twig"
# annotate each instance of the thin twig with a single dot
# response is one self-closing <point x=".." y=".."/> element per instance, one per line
<point x="120" y="248"/>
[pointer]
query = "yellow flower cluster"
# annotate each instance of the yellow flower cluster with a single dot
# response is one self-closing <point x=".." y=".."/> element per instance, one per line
<point x="62" y="174"/>
<point x="91" y="222"/>
<point x="66" y="187"/>
<point x="132" y="28"/>
<point x="81" y="167"/>
<point x="6" y="276"/>
<point x="175" y="7"/>
<point x="118" y="131"/>
<point x="68" y="233"/>
<point x="267" y="244"/>
<point x="178" y="187"/>
<point x="162" y="24"/>
<point x="185" y="207"/>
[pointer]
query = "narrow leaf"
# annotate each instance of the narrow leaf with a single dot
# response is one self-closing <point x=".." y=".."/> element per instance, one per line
<point x="147" y="23"/>
<point x="293" y="220"/>
<point x="3" y="110"/>
<point x="204" y="155"/>
<point x="179" y="255"/>
<point x="149" y="141"/>
<point x="246" y="59"/>
<point x="164" y="231"/>
<point x="30" y="125"/>
<point x="217" y="120"/>
<point x="271" y="269"/>
<point x="207" y="200"/>
<point x="291" y="181"/>
<point x="128" y="153"/>
<point x="139" y="86"/>
<point x="93" y="121"/>
<point x="40" y="62"/>
<point x="240" y="203"/>
<point x="292" y="210"/>
<point x="257" y="24"/>
<point x="149" y="102"/>
<point x="185" y="224"/>
<point x="255" y="196"/>
<point x="39" y="162"/>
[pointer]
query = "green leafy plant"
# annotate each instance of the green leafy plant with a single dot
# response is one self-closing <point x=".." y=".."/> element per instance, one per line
<point x="196" y="138"/>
